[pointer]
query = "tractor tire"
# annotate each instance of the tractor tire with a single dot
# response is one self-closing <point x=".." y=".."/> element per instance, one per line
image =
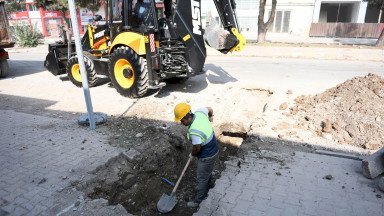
<point x="73" y="70"/>
<point x="4" y="68"/>
<point x="128" y="73"/>
<point x="176" y="80"/>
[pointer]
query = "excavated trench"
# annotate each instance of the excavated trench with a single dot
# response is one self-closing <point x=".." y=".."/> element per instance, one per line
<point x="138" y="182"/>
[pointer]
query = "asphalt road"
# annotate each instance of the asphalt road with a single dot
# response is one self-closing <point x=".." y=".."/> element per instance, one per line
<point x="29" y="79"/>
<point x="304" y="75"/>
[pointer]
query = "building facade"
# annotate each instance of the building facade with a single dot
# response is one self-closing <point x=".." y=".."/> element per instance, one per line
<point x="340" y="11"/>
<point x="295" y="17"/>
<point x="47" y="22"/>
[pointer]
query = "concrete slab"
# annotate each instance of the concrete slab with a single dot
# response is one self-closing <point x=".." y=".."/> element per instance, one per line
<point x="373" y="165"/>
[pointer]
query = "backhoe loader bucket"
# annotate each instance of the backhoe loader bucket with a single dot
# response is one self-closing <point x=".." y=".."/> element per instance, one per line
<point x="218" y="38"/>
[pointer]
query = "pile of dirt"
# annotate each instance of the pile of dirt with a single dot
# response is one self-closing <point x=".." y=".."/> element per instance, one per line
<point x="352" y="113"/>
<point x="134" y="179"/>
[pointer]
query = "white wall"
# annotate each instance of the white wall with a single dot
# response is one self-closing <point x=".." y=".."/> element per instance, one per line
<point x="300" y="18"/>
<point x="36" y="20"/>
<point x="242" y="14"/>
<point x="301" y="14"/>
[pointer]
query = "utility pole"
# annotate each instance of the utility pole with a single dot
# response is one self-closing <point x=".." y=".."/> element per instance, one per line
<point x="79" y="52"/>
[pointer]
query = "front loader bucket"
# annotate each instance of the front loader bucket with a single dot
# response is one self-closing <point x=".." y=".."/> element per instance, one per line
<point x="51" y="64"/>
<point x="57" y="58"/>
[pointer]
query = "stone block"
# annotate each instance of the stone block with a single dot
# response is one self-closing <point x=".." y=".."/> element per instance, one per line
<point x="233" y="141"/>
<point x="373" y="165"/>
<point x="233" y="128"/>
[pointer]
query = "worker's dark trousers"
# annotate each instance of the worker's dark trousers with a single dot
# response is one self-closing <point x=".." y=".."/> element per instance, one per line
<point x="204" y="173"/>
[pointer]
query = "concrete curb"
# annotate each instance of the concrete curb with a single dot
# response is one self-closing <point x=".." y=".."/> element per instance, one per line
<point x="321" y="52"/>
<point x="373" y="165"/>
<point x="340" y="155"/>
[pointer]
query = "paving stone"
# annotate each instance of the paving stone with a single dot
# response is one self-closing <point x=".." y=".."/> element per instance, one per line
<point x="293" y="199"/>
<point x="277" y="202"/>
<point x="247" y="195"/>
<point x="265" y="193"/>
<point x="225" y="208"/>
<point x="30" y="165"/>
<point x="3" y="212"/>
<point x="307" y="193"/>
<point x="20" y="211"/>
<point x="233" y="212"/>
<point x="10" y="208"/>
<point x="37" y="210"/>
<point x="274" y="212"/>
<point x="27" y="206"/>
<point x="242" y="206"/>
<point x="231" y="197"/>
<point x="236" y="186"/>
<point x="290" y="210"/>
<point x="253" y="212"/>
<point x="325" y="212"/>
<point x="3" y="193"/>
<point x="220" y="188"/>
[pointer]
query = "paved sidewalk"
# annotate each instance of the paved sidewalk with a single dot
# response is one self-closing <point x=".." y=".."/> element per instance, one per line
<point x="278" y="184"/>
<point x="41" y="155"/>
<point x="310" y="52"/>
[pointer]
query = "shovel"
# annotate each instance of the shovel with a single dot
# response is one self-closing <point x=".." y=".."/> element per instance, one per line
<point x="168" y="202"/>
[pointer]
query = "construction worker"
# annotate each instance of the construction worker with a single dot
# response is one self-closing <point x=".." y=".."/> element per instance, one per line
<point x="204" y="145"/>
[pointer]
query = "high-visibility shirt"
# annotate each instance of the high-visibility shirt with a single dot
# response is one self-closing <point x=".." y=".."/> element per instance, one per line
<point x="201" y="127"/>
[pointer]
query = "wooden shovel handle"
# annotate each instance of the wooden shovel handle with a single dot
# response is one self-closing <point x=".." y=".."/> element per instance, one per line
<point x="181" y="176"/>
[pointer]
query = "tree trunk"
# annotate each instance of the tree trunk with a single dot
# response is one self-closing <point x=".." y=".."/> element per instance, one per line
<point x="261" y="36"/>
<point x="380" y="40"/>
<point x="68" y="33"/>
<point x="262" y="26"/>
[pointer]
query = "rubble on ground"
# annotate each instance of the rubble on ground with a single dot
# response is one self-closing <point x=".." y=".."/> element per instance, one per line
<point x="153" y="150"/>
<point x="352" y="113"/>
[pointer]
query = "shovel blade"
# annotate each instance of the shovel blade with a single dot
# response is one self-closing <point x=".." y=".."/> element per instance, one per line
<point x="166" y="203"/>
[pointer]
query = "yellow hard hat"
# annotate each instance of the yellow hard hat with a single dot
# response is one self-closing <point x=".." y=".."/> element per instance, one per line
<point x="181" y="110"/>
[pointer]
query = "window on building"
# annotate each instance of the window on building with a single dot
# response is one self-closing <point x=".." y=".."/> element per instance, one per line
<point x="33" y="7"/>
<point x="248" y="23"/>
<point x="281" y="22"/>
<point x="247" y="4"/>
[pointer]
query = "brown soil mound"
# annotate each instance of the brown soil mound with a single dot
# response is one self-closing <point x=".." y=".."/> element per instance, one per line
<point x="352" y="112"/>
